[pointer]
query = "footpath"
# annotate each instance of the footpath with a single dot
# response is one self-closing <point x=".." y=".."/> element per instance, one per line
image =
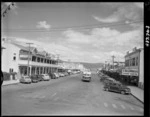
<point x="10" y="82"/>
<point x="137" y="93"/>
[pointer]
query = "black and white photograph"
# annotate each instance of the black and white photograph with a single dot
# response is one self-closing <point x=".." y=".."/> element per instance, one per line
<point x="72" y="58"/>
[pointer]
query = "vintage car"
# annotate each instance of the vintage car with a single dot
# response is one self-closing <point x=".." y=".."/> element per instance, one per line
<point x="25" y="79"/>
<point x="117" y="87"/>
<point x="34" y="78"/>
<point x="86" y="76"/>
<point x="45" y="77"/>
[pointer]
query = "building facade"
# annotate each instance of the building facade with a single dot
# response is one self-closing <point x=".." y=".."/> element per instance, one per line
<point x="15" y="59"/>
<point x="70" y="65"/>
<point x="134" y="66"/>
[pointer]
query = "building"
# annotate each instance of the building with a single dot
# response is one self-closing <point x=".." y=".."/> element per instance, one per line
<point x="70" y="66"/>
<point x="15" y="59"/>
<point x="134" y="66"/>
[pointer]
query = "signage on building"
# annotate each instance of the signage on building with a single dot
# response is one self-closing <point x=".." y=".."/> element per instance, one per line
<point x="24" y="56"/>
<point x="129" y="72"/>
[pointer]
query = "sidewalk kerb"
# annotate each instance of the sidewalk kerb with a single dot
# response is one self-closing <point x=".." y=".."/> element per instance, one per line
<point x="137" y="98"/>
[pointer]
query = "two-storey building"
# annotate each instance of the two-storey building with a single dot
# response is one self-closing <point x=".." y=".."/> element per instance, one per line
<point x="15" y="59"/>
<point x="134" y="66"/>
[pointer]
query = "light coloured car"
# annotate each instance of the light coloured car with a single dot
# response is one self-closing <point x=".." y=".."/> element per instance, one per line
<point x="45" y="77"/>
<point x="25" y="79"/>
<point x="56" y="75"/>
<point x="61" y="74"/>
<point x="86" y="76"/>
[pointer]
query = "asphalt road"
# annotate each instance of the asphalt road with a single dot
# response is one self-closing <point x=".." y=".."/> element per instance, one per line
<point x="66" y="96"/>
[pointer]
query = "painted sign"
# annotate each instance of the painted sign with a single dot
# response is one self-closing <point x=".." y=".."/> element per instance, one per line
<point x="129" y="72"/>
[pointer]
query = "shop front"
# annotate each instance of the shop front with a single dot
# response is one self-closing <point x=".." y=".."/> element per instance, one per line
<point x="130" y="76"/>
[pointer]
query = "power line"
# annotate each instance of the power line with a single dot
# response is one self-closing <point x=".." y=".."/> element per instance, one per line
<point x="72" y="27"/>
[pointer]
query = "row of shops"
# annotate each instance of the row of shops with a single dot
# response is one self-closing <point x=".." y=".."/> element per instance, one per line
<point x="132" y="71"/>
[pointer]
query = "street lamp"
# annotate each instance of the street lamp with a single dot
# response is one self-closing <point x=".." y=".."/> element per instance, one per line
<point x="28" y="58"/>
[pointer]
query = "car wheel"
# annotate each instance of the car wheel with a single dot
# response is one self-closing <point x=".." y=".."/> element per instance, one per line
<point x="123" y="92"/>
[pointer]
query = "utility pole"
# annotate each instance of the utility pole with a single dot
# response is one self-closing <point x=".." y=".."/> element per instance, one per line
<point x="113" y="60"/>
<point x="57" y="61"/>
<point x="28" y="58"/>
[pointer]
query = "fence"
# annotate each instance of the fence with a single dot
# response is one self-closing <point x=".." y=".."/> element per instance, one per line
<point x="9" y="76"/>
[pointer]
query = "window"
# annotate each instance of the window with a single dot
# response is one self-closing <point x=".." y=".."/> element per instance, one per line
<point x="133" y="62"/>
<point x="41" y="60"/>
<point x="130" y="62"/>
<point x="127" y="63"/>
<point x="136" y="61"/>
<point x="14" y="57"/>
<point x="10" y="70"/>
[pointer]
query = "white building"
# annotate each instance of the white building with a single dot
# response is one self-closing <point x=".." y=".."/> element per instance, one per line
<point x="15" y="59"/>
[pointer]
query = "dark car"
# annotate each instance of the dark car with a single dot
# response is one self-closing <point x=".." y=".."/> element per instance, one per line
<point x="102" y="78"/>
<point x="107" y="81"/>
<point x="34" y="78"/>
<point x="52" y="75"/>
<point x="117" y="87"/>
<point x="39" y="77"/>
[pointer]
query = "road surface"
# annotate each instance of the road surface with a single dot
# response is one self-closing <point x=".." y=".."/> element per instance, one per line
<point x="66" y="96"/>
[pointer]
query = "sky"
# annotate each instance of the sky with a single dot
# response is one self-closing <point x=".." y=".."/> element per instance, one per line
<point x="78" y="32"/>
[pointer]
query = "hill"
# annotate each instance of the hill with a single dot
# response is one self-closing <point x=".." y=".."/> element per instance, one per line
<point x="92" y="66"/>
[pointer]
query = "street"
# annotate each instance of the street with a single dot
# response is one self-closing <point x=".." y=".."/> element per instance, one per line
<point x="67" y="96"/>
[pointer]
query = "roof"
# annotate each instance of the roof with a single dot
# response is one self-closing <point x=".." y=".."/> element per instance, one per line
<point x="137" y="50"/>
<point x="23" y="47"/>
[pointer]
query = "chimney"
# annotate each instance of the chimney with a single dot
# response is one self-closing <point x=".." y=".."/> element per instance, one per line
<point x="134" y="49"/>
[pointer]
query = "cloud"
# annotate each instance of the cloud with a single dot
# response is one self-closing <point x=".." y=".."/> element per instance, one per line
<point x="107" y="20"/>
<point x="121" y="12"/>
<point x="76" y="37"/>
<point x="96" y="46"/>
<point x="43" y="24"/>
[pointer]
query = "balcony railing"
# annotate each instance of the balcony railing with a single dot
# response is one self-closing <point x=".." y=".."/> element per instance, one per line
<point x="32" y="63"/>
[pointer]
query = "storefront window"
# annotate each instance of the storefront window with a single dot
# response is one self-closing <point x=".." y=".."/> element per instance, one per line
<point x="136" y="61"/>
<point x="133" y="62"/>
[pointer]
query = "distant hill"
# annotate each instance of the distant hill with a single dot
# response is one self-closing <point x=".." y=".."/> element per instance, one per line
<point x="92" y="66"/>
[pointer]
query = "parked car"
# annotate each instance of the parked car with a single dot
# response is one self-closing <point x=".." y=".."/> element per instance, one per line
<point x="65" y="73"/>
<point x="25" y="79"/>
<point x="45" y="77"/>
<point x="60" y="74"/>
<point x="39" y="77"/>
<point x="86" y="76"/>
<point x="108" y="80"/>
<point x="117" y="87"/>
<point x="51" y="75"/>
<point x="34" y="78"/>
<point x="56" y="75"/>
